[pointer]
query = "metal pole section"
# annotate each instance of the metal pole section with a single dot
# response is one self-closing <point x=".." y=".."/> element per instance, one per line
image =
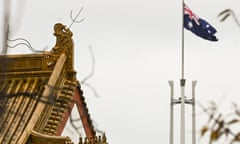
<point x="182" y="132"/>
<point x="171" y="84"/>
<point x="182" y="39"/>
<point x="182" y="83"/>
<point x="193" y="113"/>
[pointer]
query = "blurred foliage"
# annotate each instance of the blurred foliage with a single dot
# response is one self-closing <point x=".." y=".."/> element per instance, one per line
<point x="226" y="13"/>
<point x="221" y="125"/>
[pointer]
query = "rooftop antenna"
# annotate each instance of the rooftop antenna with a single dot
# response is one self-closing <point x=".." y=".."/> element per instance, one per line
<point x="182" y="100"/>
<point x="6" y="25"/>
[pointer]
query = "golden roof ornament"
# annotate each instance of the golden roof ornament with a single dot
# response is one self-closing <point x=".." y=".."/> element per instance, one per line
<point x="64" y="44"/>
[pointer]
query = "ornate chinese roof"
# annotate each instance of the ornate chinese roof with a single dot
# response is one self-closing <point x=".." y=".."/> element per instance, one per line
<point x="37" y="93"/>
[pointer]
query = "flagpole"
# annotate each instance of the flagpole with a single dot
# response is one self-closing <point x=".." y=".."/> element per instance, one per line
<point x="182" y="84"/>
<point x="182" y="39"/>
<point x="205" y="31"/>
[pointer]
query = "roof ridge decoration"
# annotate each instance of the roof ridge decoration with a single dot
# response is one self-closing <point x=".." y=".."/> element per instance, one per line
<point x="64" y="44"/>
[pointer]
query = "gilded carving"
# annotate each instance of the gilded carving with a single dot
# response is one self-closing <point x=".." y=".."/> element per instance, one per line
<point x="64" y="44"/>
<point x="94" y="140"/>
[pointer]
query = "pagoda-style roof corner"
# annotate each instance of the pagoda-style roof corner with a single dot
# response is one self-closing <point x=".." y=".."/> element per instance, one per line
<point x="37" y="94"/>
<point x="44" y="60"/>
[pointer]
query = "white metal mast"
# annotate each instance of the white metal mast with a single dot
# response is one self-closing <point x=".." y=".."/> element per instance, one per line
<point x="182" y="100"/>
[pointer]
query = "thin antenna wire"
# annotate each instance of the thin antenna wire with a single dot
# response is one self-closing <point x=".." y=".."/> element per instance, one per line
<point x="74" y="20"/>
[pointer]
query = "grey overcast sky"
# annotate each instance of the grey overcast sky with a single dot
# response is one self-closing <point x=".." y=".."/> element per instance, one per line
<point x="137" y="45"/>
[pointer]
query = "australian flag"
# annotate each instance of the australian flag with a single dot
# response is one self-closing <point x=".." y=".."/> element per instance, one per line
<point x="198" y="26"/>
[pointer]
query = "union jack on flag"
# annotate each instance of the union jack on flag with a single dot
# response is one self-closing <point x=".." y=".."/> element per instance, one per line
<point x="198" y="26"/>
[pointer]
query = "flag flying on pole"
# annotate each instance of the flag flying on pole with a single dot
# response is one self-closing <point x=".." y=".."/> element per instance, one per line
<point x="198" y="26"/>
